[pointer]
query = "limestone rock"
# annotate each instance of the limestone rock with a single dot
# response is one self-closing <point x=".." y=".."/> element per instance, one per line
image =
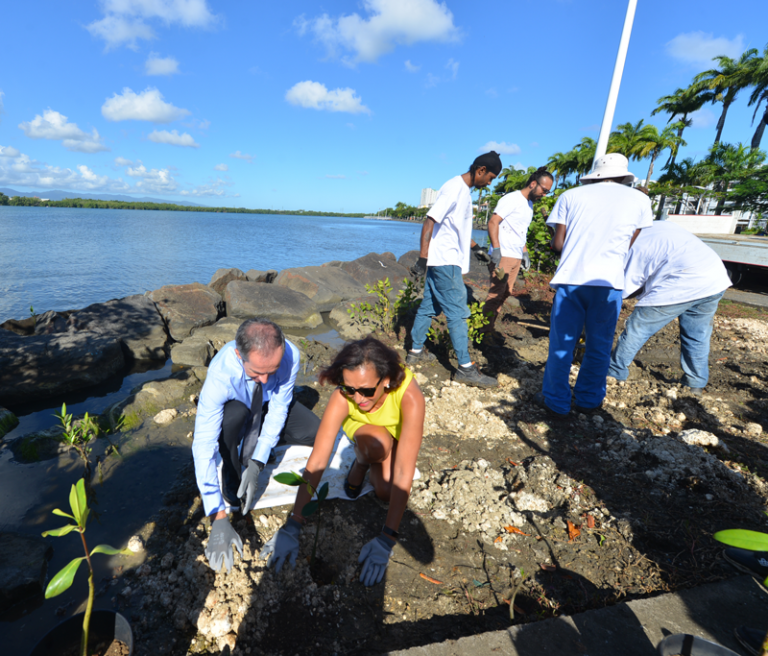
<point x="165" y="416"/>
<point x="347" y="327"/>
<point x="754" y="430"/>
<point x="151" y="397"/>
<point x="286" y="307"/>
<point x="136" y="544"/>
<point x="8" y="421"/>
<point x="223" y="277"/>
<point x="134" y="320"/>
<point x="254" y="275"/>
<point x="326" y="286"/>
<point x="23" y="566"/>
<point x="697" y="437"/>
<point x="193" y="351"/>
<point x="186" y="307"/>
<point x="371" y="268"/>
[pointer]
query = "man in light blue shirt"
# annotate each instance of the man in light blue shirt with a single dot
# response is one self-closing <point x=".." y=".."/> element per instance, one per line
<point x="246" y="407"/>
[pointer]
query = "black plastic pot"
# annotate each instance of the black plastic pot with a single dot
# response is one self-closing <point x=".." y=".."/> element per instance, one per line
<point x="688" y="645"/>
<point x="105" y="625"/>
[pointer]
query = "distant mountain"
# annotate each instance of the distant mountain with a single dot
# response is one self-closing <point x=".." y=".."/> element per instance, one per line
<point x="58" y="194"/>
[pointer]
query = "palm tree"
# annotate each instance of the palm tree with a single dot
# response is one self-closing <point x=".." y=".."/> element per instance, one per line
<point x="685" y="173"/>
<point x="723" y="84"/>
<point x="626" y="138"/>
<point x="759" y="75"/>
<point x="726" y="164"/>
<point x="652" y="142"/>
<point x="583" y="154"/>
<point x="560" y="165"/>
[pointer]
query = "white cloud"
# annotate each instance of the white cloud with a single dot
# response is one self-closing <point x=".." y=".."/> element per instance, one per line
<point x="212" y="188"/>
<point x="245" y="156"/>
<point x="121" y="161"/>
<point x="703" y="118"/>
<point x="503" y="148"/>
<point x="157" y="65"/>
<point x="316" y="96"/>
<point x="221" y="167"/>
<point x="388" y="23"/>
<point x="335" y="177"/>
<point x="152" y="180"/>
<point x="432" y="81"/>
<point x="411" y="68"/>
<point x="145" y="106"/>
<point x="173" y="138"/>
<point x="53" y="126"/>
<point x="9" y="151"/>
<point x="124" y="21"/>
<point x="453" y="67"/>
<point x="698" y="48"/>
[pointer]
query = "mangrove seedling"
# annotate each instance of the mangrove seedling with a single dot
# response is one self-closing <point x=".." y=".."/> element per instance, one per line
<point x="294" y="479"/>
<point x="63" y="579"/>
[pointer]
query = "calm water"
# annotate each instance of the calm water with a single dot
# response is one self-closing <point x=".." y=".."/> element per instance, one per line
<point x="64" y="259"/>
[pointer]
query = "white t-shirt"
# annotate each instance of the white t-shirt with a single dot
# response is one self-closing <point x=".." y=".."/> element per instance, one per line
<point x="452" y="235"/>
<point x="600" y="220"/>
<point x="517" y="212"/>
<point x="674" y="265"/>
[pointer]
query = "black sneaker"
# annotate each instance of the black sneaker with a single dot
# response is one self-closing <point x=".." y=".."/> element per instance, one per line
<point x="749" y="562"/>
<point x="750" y="639"/>
<point x="422" y="357"/>
<point x="471" y="376"/>
<point x="587" y="411"/>
<point x="540" y="401"/>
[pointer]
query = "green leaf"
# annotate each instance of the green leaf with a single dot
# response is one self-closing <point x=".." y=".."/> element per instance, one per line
<point x="289" y="478"/>
<point x="58" y="532"/>
<point x="63" y="579"/>
<point x="310" y="490"/>
<point x="322" y="492"/>
<point x="78" y="503"/>
<point x="743" y="539"/>
<point x="61" y="513"/>
<point x="110" y="551"/>
<point x="309" y="509"/>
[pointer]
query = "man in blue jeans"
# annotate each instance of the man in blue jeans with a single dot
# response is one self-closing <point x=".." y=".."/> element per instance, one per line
<point x="594" y="227"/>
<point x="678" y="277"/>
<point x="446" y="241"/>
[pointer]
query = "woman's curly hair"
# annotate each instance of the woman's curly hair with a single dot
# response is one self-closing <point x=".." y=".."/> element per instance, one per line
<point x="371" y="351"/>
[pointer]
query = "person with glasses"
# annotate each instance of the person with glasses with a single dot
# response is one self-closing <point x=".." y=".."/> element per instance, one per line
<point x="380" y="407"/>
<point x="508" y="232"/>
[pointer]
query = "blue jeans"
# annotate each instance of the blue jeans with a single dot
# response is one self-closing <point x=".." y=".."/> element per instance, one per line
<point x="444" y="291"/>
<point x="578" y="307"/>
<point x="695" y="330"/>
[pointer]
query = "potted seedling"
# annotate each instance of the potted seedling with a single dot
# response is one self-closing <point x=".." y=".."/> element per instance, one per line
<point x="61" y="582"/>
<point x="294" y="479"/>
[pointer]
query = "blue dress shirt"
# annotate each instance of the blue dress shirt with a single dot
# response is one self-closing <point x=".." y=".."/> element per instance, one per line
<point x="225" y="381"/>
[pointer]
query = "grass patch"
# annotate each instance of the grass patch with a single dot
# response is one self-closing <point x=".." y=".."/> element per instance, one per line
<point x="736" y="310"/>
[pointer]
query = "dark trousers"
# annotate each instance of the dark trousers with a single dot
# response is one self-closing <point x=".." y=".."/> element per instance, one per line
<point x="300" y="428"/>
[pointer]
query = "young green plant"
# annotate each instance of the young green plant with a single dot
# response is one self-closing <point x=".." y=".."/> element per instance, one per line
<point x="294" y="479"/>
<point x="63" y="579"/>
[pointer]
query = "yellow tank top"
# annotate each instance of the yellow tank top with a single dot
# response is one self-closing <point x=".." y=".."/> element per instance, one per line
<point x="389" y="415"/>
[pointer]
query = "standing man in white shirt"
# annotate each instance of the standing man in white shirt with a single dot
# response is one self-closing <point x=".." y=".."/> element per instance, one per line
<point x="679" y="277"/>
<point x="246" y="406"/>
<point x="594" y="226"/>
<point x="508" y="231"/>
<point x="446" y="242"/>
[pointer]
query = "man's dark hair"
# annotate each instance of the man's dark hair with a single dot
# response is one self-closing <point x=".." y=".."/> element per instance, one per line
<point x="491" y="161"/>
<point x="538" y="174"/>
<point x="371" y="351"/>
<point x="259" y="334"/>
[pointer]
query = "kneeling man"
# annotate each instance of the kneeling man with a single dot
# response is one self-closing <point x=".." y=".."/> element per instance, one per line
<point x="246" y="407"/>
<point x="679" y="277"/>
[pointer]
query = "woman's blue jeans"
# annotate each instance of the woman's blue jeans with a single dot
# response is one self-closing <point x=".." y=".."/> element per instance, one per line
<point x="575" y="308"/>
<point x="444" y="291"/>
<point x="695" y="330"/>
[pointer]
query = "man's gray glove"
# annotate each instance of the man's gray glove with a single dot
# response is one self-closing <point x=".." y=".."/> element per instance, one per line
<point x="284" y="545"/>
<point x="220" y="542"/>
<point x="248" y="484"/>
<point x="525" y="263"/>
<point x="375" y="558"/>
<point x="480" y="253"/>
<point x="496" y="256"/>
<point x="420" y="268"/>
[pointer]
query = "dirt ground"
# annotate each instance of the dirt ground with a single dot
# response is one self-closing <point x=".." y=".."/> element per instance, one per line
<point x="517" y="516"/>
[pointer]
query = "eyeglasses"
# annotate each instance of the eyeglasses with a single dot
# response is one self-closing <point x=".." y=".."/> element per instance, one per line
<point x="367" y="392"/>
<point x="543" y="189"/>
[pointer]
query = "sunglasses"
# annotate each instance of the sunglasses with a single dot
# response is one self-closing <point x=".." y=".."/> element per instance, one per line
<point x="367" y="392"/>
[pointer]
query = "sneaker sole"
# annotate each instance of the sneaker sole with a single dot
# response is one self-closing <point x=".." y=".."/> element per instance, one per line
<point x="472" y="383"/>
<point x="746" y="570"/>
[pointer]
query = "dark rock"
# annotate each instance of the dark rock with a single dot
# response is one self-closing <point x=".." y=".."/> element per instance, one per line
<point x="371" y="268"/>
<point x="134" y="320"/>
<point x="254" y="275"/>
<point x="218" y="334"/>
<point x="389" y="256"/>
<point x="326" y="286"/>
<point x="194" y="351"/>
<point x="8" y="421"/>
<point x="286" y="307"/>
<point x="223" y="277"/>
<point x="40" y="445"/>
<point x="20" y="326"/>
<point x="409" y="259"/>
<point x="185" y="307"/>
<point x="50" y="322"/>
<point x="46" y="365"/>
<point x="23" y="567"/>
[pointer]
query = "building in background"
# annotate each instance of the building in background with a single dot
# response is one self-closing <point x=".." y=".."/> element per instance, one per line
<point x="428" y="197"/>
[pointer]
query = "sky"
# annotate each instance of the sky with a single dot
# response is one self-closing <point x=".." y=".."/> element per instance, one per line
<point x="335" y="106"/>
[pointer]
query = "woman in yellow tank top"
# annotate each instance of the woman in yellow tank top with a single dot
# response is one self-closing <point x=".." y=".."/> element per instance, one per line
<point x="381" y="409"/>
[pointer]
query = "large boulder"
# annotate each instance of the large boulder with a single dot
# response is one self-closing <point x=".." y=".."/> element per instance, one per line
<point x="255" y="275"/>
<point x="409" y="259"/>
<point x="326" y="286"/>
<point x="8" y="421"/>
<point x="218" y="334"/>
<point x="347" y="324"/>
<point x="40" y="366"/>
<point x="223" y="277"/>
<point x="186" y="307"/>
<point x="50" y="322"/>
<point x="193" y="352"/>
<point x="134" y="320"/>
<point x="371" y="268"/>
<point x="23" y="567"/>
<point x="286" y="307"/>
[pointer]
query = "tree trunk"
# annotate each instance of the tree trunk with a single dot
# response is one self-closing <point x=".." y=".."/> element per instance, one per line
<point x="650" y="170"/>
<point x="721" y="123"/>
<point x="760" y="129"/>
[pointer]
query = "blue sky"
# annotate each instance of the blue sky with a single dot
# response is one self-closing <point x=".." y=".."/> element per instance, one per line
<point x="336" y="106"/>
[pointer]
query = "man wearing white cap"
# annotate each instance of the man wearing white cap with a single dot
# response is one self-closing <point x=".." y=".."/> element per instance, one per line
<point x="679" y="277"/>
<point x="594" y="226"/>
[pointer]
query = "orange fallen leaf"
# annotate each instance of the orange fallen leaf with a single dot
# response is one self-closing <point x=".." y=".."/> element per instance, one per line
<point x="573" y="531"/>
<point x="590" y="521"/>
<point x="517" y="531"/>
<point x="430" y="579"/>
<point x="498" y="539"/>
<point x="513" y="463"/>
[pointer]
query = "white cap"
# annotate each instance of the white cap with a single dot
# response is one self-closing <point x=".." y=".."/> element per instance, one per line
<point x="610" y="166"/>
